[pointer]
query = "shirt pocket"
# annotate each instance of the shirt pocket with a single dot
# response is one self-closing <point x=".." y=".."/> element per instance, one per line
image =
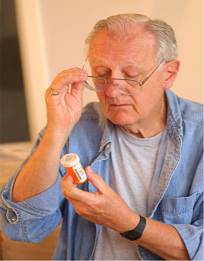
<point x="178" y="210"/>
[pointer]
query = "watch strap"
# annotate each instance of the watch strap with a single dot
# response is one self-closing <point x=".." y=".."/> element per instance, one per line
<point x="137" y="232"/>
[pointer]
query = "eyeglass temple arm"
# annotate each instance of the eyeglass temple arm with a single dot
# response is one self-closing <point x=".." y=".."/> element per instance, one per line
<point x="84" y="62"/>
<point x="152" y="72"/>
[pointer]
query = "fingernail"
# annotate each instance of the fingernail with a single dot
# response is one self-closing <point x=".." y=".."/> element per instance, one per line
<point x="89" y="168"/>
<point x="84" y="72"/>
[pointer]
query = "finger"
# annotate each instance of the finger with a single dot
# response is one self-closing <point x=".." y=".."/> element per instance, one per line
<point x="77" y="90"/>
<point x="71" y="192"/>
<point x="68" y="181"/>
<point x="95" y="179"/>
<point x="67" y="77"/>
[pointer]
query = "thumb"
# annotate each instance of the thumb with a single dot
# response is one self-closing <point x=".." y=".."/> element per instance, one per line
<point x="94" y="178"/>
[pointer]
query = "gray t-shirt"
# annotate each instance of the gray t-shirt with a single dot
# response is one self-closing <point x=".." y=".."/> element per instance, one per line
<point x="133" y="162"/>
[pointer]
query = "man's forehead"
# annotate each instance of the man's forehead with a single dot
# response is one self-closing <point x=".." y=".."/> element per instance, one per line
<point x="135" y="43"/>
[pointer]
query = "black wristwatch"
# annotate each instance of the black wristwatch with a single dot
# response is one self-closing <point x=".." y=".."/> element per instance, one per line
<point x="137" y="232"/>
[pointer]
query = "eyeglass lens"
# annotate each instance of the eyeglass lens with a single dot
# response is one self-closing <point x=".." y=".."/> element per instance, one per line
<point x="124" y="86"/>
<point x="99" y="84"/>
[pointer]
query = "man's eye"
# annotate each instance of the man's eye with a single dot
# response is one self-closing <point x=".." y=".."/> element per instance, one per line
<point x="104" y="75"/>
<point x="132" y="77"/>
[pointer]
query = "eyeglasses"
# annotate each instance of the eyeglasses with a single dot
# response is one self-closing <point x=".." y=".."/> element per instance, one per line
<point x="125" y="86"/>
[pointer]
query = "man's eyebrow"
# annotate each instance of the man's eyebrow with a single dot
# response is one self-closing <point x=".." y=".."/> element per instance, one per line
<point x="96" y="60"/>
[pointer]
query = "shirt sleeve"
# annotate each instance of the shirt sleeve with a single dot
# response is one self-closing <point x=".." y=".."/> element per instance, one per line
<point x="192" y="234"/>
<point x="33" y="219"/>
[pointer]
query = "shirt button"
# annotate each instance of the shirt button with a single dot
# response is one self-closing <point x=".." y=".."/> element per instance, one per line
<point x="14" y="219"/>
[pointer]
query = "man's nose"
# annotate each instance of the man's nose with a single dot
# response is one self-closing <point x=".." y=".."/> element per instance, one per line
<point x="111" y="90"/>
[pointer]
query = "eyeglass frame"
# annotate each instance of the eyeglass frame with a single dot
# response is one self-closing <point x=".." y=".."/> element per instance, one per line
<point x="107" y="83"/>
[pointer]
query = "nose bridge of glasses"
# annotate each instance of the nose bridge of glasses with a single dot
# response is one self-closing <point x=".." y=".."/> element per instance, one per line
<point x="118" y="84"/>
<point x="112" y="87"/>
<point x="114" y="81"/>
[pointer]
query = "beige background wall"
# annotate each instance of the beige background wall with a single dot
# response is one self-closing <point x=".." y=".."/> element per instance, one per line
<point x="52" y="34"/>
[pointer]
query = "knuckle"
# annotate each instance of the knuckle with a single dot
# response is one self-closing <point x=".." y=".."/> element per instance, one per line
<point x="61" y="81"/>
<point x="63" y="192"/>
<point x="75" y="69"/>
<point x="83" y="211"/>
<point x="66" y="194"/>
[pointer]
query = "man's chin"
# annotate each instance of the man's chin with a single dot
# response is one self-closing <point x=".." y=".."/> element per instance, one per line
<point x="119" y="120"/>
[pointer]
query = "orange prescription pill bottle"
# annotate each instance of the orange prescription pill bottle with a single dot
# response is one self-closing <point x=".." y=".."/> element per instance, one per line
<point x="74" y="168"/>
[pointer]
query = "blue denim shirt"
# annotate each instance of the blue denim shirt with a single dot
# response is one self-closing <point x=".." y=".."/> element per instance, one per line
<point x="176" y="194"/>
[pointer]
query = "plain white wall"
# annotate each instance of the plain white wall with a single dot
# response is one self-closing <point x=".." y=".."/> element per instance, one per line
<point x="52" y="34"/>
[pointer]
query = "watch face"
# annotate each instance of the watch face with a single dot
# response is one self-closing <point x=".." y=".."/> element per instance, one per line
<point x="131" y="237"/>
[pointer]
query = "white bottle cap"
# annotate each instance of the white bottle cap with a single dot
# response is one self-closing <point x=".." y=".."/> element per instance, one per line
<point x="69" y="160"/>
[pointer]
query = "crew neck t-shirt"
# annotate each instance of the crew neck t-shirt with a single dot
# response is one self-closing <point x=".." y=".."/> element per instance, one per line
<point x="133" y="162"/>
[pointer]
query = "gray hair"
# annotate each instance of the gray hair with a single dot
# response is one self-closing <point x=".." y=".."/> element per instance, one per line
<point x="162" y="32"/>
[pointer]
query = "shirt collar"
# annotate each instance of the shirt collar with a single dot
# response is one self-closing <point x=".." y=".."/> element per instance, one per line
<point x="174" y="118"/>
<point x="106" y="137"/>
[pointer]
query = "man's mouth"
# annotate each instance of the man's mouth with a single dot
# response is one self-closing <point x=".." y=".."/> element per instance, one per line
<point x="120" y="105"/>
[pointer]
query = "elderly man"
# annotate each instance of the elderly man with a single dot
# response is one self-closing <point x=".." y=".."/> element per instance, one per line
<point x="141" y="146"/>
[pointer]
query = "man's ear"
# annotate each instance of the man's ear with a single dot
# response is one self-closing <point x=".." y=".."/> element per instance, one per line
<point x="171" y="70"/>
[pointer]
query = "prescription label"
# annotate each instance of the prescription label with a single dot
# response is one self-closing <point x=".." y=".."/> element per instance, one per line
<point x="80" y="173"/>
